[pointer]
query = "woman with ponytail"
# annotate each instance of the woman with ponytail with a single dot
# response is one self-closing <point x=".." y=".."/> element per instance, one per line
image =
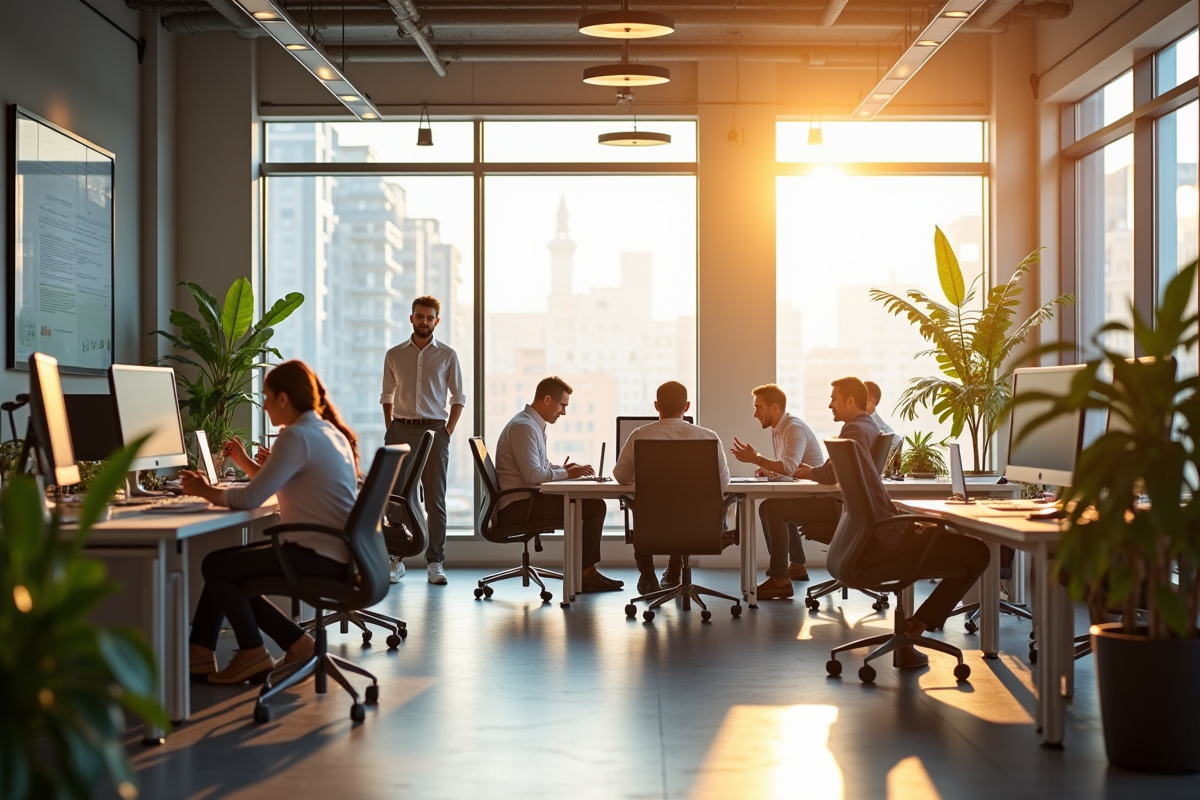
<point x="313" y="471"/>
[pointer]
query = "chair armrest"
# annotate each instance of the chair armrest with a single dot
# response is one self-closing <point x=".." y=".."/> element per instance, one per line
<point x="289" y="571"/>
<point x="626" y="507"/>
<point x="518" y="490"/>
<point x="731" y="498"/>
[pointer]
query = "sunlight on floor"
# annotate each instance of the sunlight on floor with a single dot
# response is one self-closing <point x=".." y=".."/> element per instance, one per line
<point x="986" y="697"/>
<point x="908" y="780"/>
<point x="761" y="751"/>
<point x="866" y="624"/>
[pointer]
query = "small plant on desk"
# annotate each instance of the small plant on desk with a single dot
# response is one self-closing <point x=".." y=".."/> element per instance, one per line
<point x="922" y="456"/>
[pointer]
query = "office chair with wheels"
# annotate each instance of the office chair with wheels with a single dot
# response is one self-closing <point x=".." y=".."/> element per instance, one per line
<point x="523" y="532"/>
<point x="366" y="583"/>
<point x="855" y="537"/>
<point x="404" y="534"/>
<point x="679" y="510"/>
<point x="812" y="597"/>
<point x="971" y="610"/>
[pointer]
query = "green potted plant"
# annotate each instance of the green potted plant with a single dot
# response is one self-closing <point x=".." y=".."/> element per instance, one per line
<point x="64" y="682"/>
<point x="971" y="346"/>
<point x="1134" y="519"/>
<point x="922" y="456"/>
<point x="223" y="347"/>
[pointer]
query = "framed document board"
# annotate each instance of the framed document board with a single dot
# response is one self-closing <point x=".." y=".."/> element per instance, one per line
<point x="62" y="247"/>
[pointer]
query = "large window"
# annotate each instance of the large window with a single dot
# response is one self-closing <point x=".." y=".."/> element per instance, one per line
<point x="590" y="276"/>
<point x="841" y="233"/>
<point x="1106" y="244"/>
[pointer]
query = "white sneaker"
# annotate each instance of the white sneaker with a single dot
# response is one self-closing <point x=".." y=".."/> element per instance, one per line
<point x="395" y="569"/>
<point x="437" y="574"/>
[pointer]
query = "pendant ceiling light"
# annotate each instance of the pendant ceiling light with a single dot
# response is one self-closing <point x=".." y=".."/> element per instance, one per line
<point x="424" y="129"/>
<point x="814" y="132"/>
<point x="633" y="138"/>
<point x="626" y="74"/>
<point x="626" y="24"/>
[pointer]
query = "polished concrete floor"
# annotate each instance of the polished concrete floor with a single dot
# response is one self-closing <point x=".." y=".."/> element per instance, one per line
<point x="513" y="698"/>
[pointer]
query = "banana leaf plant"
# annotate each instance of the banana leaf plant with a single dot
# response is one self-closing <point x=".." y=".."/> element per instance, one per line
<point x="65" y="684"/>
<point x="223" y="347"/>
<point x="971" y="346"/>
<point x="1120" y="551"/>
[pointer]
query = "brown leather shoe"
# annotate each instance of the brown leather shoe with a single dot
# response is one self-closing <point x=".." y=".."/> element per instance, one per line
<point x="797" y="571"/>
<point x="244" y="666"/>
<point x="301" y="650"/>
<point x="595" y="582"/>
<point x="769" y="590"/>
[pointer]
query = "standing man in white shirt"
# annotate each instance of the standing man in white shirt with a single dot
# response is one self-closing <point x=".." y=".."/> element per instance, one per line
<point x="671" y="404"/>
<point x="793" y="443"/>
<point x="421" y="376"/>
<point x="523" y="462"/>
<point x="874" y="395"/>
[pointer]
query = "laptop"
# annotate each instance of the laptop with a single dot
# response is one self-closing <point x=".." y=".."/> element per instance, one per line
<point x="599" y="476"/>
<point x="206" y="462"/>
<point x="958" y="479"/>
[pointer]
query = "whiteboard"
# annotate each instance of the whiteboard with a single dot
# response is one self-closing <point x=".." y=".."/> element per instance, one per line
<point x="61" y="264"/>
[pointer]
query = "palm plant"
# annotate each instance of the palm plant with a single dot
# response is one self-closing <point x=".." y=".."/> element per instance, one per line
<point x="922" y="455"/>
<point x="971" y="347"/>
<point x="224" y="348"/>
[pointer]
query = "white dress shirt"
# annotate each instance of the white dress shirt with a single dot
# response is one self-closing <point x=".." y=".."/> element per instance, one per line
<point x="883" y="426"/>
<point x="311" y="472"/>
<point x="521" y="457"/>
<point x="416" y="381"/>
<point x="795" y="444"/>
<point x="669" y="428"/>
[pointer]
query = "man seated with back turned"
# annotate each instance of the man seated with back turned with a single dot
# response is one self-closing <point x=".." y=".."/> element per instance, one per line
<point x="848" y="402"/>
<point x="671" y="405"/>
<point x="794" y="443"/>
<point x="874" y="395"/>
<point x="522" y="462"/>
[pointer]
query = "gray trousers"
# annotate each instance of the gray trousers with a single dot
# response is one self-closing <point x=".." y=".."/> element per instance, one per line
<point x="783" y="521"/>
<point x="433" y="480"/>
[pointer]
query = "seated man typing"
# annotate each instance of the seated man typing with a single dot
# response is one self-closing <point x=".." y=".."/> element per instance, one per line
<point x="671" y="405"/>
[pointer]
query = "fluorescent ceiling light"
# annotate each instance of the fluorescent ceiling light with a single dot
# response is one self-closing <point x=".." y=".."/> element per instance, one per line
<point x="942" y="25"/>
<point x="280" y="26"/>
<point x="626" y="75"/>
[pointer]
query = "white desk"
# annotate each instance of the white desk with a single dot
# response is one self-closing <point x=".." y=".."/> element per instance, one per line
<point x="755" y="490"/>
<point x="1053" y="613"/>
<point x="161" y="539"/>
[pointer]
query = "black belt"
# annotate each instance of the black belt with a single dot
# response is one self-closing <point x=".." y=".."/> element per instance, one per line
<point x="419" y="423"/>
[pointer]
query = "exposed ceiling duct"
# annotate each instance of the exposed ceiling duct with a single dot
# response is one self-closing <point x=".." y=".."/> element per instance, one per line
<point x="819" y="54"/>
<point x="410" y="25"/>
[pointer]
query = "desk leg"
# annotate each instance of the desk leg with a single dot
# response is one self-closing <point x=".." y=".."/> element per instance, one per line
<point x="1050" y="614"/>
<point x="749" y="553"/>
<point x="577" y="547"/>
<point x="568" y="583"/>
<point x="1068" y="641"/>
<point x="176" y="667"/>
<point x="159" y="642"/>
<point x="989" y="604"/>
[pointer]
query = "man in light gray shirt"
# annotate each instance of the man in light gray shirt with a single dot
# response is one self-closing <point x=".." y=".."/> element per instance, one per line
<point x="418" y="375"/>
<point x="522" y="462"/>
<point x="874" y="395"/>
<point x="671" y="404"/>
<point x="794" y="443"/>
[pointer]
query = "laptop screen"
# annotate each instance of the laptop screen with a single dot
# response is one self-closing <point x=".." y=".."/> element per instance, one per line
<point x="206" y="461"/>
<point x="958" y="480"/>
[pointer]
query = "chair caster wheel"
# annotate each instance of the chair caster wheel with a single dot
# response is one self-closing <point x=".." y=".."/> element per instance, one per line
<point x="393" y="641"/>
<point x="705" y="615"/>
<point x="372" y="694"/>
<point x="962" y="672"/>
<point x="488" y="591"/>
<point x="970" y="627"/>
<point x="478" y="594"/>
<point x="833" y="667"/>
<point x="403" y="632"/>
<point x="812" y="603"/>
<point x="631" y="611"/>
<point x="648" y="616"/>
<point x="358" y="712"/>
<point x="878" y="606"/>
<point x="547" y="597"/>
<point x="262" y="713"/>
<point x="366" y="637"/>
<point x="1032" y="635"/>
<point x="736" y="610"/>
<point x="866" y="673"/>
<point x="1033" y="655"/>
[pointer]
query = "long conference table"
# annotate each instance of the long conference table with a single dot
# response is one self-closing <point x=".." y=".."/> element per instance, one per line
<point x="159" y="540"/>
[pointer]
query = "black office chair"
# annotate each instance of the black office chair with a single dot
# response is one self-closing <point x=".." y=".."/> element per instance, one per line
<point x="365" y="584"/>
<point x="971" y="623"/>
<point x="523" y="532"/>
<point x="812" y="598"/>
<point x="679" y="511"/>
<point x="404" y="534"/>
<point x="854" y="538"/>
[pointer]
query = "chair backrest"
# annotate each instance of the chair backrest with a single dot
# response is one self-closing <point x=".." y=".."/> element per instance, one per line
<point x="363" y="528"/>
<point x="679" y="504"/>
<point x="880" y="451"/>
<point x="488" y="480"/>
<point x="406" y="530"/>
<point x="856" y="529"/>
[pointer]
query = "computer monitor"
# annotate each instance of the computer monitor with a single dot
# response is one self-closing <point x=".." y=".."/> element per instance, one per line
<point x="627" y="425"/>
<point x="1048" y="455"/>
<point x="148" y="405"/>
<point x="93" y="419"/>
<point x="49" y="435"/>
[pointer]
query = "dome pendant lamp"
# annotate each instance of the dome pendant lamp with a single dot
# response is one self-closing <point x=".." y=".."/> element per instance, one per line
<point x="626" y="74"/>
<point x="626" y="24"/>
<point x="633" y="138"/>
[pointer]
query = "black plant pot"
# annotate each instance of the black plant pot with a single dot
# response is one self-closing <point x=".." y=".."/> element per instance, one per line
<point x="1149" y="700"/>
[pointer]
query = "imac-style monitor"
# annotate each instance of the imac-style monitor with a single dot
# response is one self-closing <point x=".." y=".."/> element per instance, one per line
<point x="93" y="420"/>
<point x="1048" y="455"/>
<point x="627" y="425"/>
<point x="147" y="405"/>
<point x="48" y="425"/>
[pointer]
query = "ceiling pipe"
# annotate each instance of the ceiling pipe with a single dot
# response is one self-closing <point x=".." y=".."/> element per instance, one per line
<point x="832" y="12"/>
<point x="230" y="11"/>
<point x="410" y="26"/>
<point x="851" y="57"/>
<point x="992" y="13"/>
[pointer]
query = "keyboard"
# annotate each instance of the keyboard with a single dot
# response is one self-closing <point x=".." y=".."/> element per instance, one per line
<point x="1015" y="505"/>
